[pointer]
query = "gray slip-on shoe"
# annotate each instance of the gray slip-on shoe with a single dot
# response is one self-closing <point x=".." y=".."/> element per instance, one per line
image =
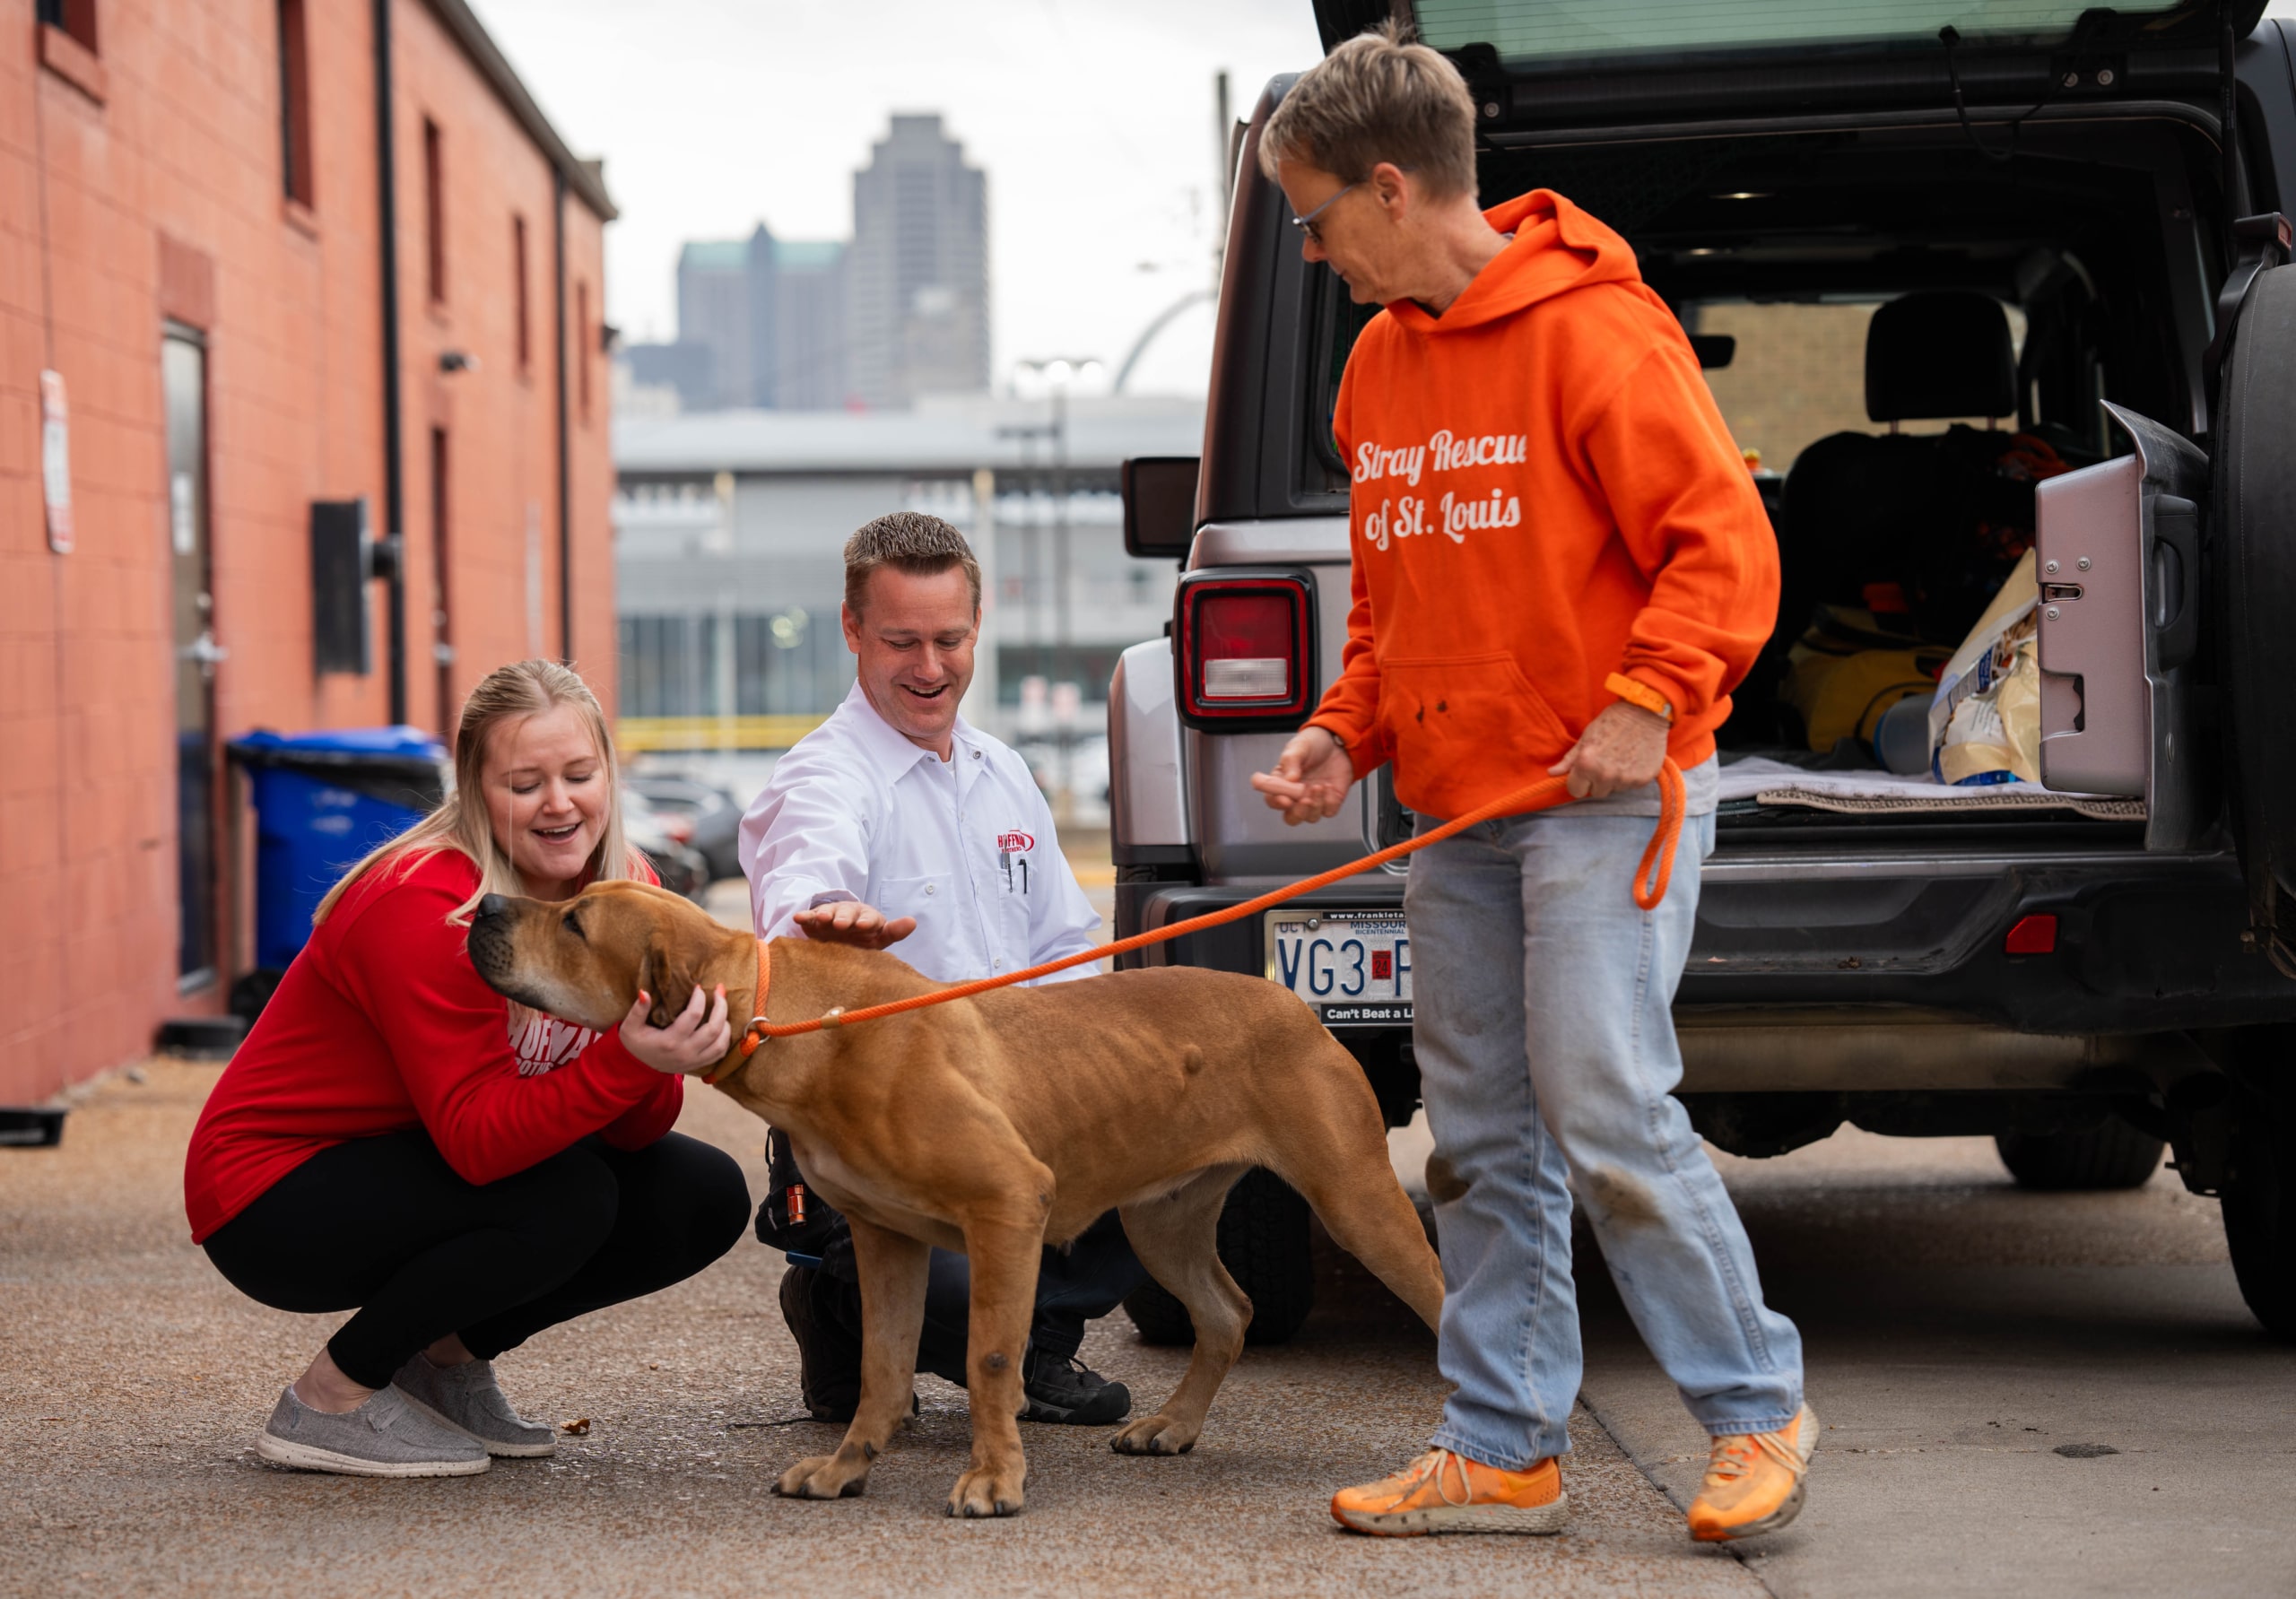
<point x="386" y="1436"/>
<point x="468" y="1399"/>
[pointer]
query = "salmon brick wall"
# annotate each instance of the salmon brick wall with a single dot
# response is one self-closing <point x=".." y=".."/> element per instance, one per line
<point x="144" y="182"/>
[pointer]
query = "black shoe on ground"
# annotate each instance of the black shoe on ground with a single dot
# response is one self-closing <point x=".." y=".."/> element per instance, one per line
<point x="829" y="1358"/>
<point x="1066" y="1392"/>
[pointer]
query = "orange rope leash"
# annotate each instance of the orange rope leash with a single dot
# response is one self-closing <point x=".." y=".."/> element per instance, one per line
<point x="1651" y="879"/>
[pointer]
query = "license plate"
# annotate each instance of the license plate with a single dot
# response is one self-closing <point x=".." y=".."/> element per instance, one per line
<point x="1353" y="966"/>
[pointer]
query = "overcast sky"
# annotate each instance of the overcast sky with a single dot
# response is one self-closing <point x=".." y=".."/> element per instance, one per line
<point x="1093" y="120"/>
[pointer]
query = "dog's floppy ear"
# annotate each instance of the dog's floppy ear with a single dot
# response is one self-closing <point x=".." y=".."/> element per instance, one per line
<point x="670" y="981"/>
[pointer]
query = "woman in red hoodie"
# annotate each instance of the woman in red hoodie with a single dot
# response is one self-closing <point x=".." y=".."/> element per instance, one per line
<point x="396" y="1136"/>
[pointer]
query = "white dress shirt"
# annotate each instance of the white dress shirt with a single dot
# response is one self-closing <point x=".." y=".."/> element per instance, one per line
<point x="966" y="846"/>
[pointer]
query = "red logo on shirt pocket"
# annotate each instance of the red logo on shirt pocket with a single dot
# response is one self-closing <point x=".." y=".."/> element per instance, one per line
<point x="1020" y="842"/>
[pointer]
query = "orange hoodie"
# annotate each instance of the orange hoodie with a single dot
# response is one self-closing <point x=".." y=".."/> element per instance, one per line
<point x="1544" y="494"/>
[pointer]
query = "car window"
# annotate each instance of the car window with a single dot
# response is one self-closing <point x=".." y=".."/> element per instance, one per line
<point x="1339" y="322"/>
<point x="1799" y="374"/>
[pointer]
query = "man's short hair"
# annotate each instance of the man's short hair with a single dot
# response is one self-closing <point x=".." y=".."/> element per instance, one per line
<point x="1379" y="97"/>
<point x="909" y="541"/>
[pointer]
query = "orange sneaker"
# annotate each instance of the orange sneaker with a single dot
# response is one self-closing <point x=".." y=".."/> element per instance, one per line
<point x="1754" y="1482"/>
<point x="1443" y="1492"/>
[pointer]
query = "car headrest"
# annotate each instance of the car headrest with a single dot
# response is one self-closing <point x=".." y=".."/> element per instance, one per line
<point x="1940" y="354"/>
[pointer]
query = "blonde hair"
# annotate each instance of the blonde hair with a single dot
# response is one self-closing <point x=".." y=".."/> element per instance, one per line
<point x="460" y="822"/>
<point x="1379" y="97"/>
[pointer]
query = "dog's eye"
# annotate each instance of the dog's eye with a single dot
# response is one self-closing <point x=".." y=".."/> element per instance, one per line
<point x="573" y="924"/>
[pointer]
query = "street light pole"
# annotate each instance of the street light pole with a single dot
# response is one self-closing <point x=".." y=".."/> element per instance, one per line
<point x="1061" y="666"/>
<point x="1057" y="372"/>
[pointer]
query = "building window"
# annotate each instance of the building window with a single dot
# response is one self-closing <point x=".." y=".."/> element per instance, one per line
<point x="789" y="663"/>
<point x="76" y="18"/>
<point x="434" y="209"/>
<point x="582" y="340"/>
<point x="518" y="290"/>
<point x="294" y="106"/>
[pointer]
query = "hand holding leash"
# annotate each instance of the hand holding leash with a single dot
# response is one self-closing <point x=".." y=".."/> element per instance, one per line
<point x="1622" y="748"/>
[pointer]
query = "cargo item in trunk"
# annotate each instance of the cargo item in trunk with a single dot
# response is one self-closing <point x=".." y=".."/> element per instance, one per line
<point x="1985" y="723"/>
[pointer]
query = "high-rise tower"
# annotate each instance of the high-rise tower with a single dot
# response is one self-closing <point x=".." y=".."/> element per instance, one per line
<point x="916" y="278"/>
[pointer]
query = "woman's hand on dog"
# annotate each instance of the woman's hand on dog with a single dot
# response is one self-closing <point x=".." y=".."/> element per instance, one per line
<point x="848" y="921"/>
<point x="696" y="1039"/>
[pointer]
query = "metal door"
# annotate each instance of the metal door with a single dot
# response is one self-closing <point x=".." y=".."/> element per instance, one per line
<point x="183" y="369"/>
<point x="2118" y="553"/>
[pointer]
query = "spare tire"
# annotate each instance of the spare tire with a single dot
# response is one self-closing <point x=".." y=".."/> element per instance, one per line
<point x="2112" y="1154"/>
<point x="2260" y="1220"/>
<point x="1264" y="1245"/>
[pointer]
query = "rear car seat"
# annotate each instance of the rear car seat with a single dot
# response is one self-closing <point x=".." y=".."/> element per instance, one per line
<point x="1920" y="530"/>
<point x="1862" y="512"/>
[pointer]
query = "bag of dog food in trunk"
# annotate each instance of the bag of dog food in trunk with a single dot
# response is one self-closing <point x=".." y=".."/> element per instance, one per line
<point x="1985" y="723"/>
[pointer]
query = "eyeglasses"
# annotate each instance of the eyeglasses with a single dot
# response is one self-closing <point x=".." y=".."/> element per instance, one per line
<point x="1307" y="224"/>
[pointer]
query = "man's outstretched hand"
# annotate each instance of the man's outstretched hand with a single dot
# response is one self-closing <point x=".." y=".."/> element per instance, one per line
<point x="1311" y="778"/>
<point x="848" y="921"/>
<point x="1622" y="748"/>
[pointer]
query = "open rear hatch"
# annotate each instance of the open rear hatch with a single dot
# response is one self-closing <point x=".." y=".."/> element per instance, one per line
<point x="1612" y="101"/>
<point x="1557" y="63"/>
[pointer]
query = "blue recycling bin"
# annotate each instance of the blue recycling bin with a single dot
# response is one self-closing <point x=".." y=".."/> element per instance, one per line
<point x="323" y="800"/>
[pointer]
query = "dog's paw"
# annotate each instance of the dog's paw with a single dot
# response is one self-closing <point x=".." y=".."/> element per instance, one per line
<point x="1154" y="1435"/>
<point x="823" y="1477"/>
<point x="988" y="1490"/>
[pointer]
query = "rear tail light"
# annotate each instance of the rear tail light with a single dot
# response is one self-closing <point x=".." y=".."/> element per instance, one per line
<point x="1244" y="657"/>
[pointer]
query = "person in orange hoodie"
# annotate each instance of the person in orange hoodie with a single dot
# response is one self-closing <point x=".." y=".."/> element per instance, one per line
<point x="1560" y="566"/>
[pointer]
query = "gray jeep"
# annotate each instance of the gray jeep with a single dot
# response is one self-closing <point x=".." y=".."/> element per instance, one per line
<point x="2072" y="222"/>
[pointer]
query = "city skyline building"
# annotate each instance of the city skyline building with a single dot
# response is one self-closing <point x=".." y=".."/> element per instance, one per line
<point x="918" y="279"/>
<point x="715" y="301"/>
<point x="900" y="312"/>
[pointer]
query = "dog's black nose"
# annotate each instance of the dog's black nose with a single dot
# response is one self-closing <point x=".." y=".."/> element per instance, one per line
<point x="494" y="905"/>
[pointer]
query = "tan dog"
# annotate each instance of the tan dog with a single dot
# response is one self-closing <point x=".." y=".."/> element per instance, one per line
<point x="997" y="1124"/>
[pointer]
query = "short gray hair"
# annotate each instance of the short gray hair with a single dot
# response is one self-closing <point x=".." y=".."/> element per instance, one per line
<point x="1379" y="97"/>
<point x="909" y="541"/>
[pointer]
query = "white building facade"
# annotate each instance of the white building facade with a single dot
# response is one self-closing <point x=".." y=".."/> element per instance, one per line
<point x="730" y="528"/>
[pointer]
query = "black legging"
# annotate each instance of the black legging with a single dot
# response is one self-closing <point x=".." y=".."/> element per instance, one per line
<point x="384" y="1224"/>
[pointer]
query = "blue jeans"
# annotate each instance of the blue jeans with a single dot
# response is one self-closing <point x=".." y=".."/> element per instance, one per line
<point x="1547" y="1055"/>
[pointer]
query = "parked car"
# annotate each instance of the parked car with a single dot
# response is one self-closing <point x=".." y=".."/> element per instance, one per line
<point x="681" y="867"/>
<point x="2082" y="985"/>
<point x="708" y="816"/>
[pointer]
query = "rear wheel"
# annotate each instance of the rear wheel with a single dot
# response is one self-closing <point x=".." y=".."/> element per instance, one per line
<point x="2260" y="1219"/>
<point x="1264" y="1245"/>
<point x="2111" y="1155"/>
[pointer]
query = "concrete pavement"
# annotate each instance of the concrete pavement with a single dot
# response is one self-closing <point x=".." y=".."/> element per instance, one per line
<point x="136" y="1379"/>
<point x="1959" y="1331"/>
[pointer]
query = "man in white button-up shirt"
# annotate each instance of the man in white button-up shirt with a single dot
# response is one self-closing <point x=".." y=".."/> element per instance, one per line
<point x="898" y="822"/>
